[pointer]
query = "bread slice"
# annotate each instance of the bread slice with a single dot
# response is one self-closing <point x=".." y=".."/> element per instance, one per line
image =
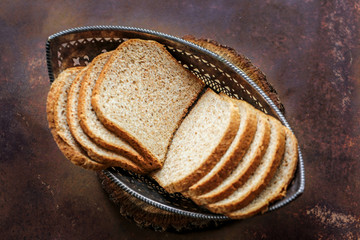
<point x="142" y="95"/>
<point x="92" y="125"/>
<point x="276" y="189"/>
<point x="260" y="178"/>
<point x="233" y="155"/>
<point x="245" y="168"/>
<point x="69" y="147"/>
<point x="93" y="150"/>
<point x="199" y="143"/>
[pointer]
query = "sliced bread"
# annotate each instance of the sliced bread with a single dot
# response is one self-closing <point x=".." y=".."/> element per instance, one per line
<point x="276" y="188"/>
<point x="260" y="178"/>
<point x="142" y="95"/>
<point x="92" y="125"/>
<point x="234" y="154"/>
<point x="245" y="168"/>
<point x="199" y="143"/>
<point x="69" y="146"/>
<point x="93" y="150"/>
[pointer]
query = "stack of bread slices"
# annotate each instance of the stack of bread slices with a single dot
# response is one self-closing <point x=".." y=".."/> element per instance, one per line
<point x="137" y="108"/>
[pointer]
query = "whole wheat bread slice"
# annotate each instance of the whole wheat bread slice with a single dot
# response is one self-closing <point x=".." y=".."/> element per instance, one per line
<point x="142" y="95"/>
<point x="199" y="143"/>
<point x="233" y="155"/>
<point x="260" y="178"/>
<point x="69" y="146"/>
<point x="245" y="168"/>
<point x="93" y="150"/>
<point x="276" y="188"/>
<point x="92" y="125"/>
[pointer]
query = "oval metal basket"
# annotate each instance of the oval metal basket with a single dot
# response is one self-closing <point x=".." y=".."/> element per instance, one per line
<point x="78" y="46"/>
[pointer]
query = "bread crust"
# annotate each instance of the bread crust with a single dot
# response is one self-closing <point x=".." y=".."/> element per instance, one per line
<point x="184" y="184"/>
<point x="247" y="170"/>
<point x="231" y="160"/>
<point x="61" y="81"/>
<point x="117" y="161"/>
<point x="86" y="85"/>
<point x="76" y="157"/>
<point x="276" y="157"/>
<point x="289" y="160"/>
<point x="50" y="102"/>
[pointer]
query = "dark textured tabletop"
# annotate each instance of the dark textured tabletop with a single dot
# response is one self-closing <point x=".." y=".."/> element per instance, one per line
<point x="310" y="52"/>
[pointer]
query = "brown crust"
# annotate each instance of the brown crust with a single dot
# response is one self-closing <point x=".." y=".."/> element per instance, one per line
<point x="281" y="190"/>
<point x="214" y="157"/>
<point x="276" y="159"/>
<point x="76" y="157"/>
<point x="70" y="153"/>
<point x="126" y="152"/>
<point x="122" y="133"/>
<point x="50" y="102"/>
<point x="241" y="62"/>
<point x="293" y="167"/>
<point x="119" y="161"/>
<point x="241" y="179"/>
<point x="59" y="85"/>
<point x="230" y="163"/>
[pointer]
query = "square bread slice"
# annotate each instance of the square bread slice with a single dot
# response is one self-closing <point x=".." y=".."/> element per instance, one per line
<point x="276" y="188"/>
<point x="245" y="168"/>
<point x="199" y="143"/>
<point x="92" y="125"/>
<point x="142" y="95"/>
<point x="67" y="144"/>
<point x="95" y="151"/>
<point x="260" y="178"/>
<point x="234" y="154"/>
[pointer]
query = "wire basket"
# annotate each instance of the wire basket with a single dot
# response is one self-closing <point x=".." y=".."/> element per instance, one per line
<point x="78" y="46"/>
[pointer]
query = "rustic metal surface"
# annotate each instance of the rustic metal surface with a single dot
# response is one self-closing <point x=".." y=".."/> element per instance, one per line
<point x="309" y="51"/>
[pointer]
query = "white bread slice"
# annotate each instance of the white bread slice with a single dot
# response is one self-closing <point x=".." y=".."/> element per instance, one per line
<point x="93" y="150"/>
<point x="260" y="178"/>
<point x="246" y="166"/>
<point x="69" y="146"/>
<point x="92" y="125"/>
<point x="142" y="95"/>
<point x="199" y="143"/>
<point x="233" y="155"/>
<point x="276" y="188"/>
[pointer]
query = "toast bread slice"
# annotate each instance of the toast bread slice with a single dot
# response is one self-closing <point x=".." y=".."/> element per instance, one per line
<point x="276" y="188"/>
<point x="261" y="176"/>
<point x="199" y="143"/>
<point x="92" y="126"/>
<point x="245" y="167"/>
<point x="93" y="150"/>
<point x="142" y="95"/>
<point x="234" y="154"/>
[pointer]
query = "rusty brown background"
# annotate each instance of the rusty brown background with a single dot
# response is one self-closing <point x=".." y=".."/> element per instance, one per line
<point x="308" y="49"/>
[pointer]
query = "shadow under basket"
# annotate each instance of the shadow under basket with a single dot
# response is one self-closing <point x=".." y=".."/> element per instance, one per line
<point x="78" y="46"/>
